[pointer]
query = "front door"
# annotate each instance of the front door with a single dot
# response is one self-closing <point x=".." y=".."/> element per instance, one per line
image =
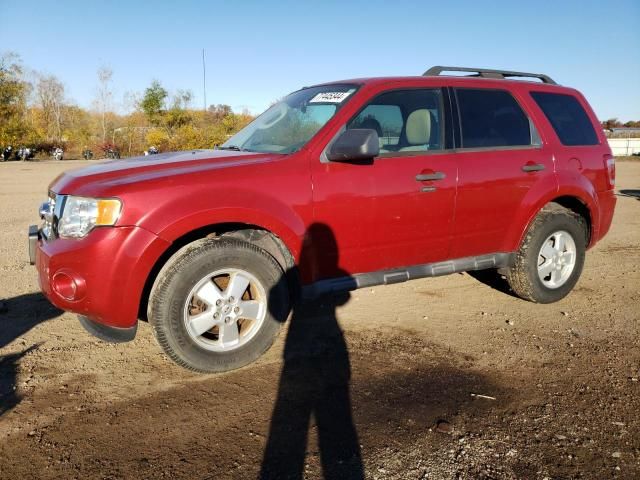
<point x="398" y="210"/>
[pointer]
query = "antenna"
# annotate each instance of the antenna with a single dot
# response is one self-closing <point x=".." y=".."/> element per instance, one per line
<point x="204" y="81"/>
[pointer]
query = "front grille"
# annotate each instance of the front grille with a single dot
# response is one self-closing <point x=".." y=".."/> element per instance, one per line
<point x="50" y="213"/>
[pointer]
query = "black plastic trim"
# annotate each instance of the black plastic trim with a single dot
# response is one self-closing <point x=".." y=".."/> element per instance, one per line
<point x="34" y="236"/>
<point x="387" y="277"/>
<point x="488" y="73"/>
<point x="497" y="149"/>
<point x="457" y="124"/>
<point x="107" y="333"/>
<point x="449" y="120"/>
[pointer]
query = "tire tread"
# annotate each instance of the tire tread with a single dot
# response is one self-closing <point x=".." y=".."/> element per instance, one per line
<point x="160" y="291"/>
<point x="518" y="275"/>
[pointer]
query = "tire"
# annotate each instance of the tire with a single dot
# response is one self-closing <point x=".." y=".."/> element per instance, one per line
<point x="543" y="271"/>
<point x="190" y="290"/>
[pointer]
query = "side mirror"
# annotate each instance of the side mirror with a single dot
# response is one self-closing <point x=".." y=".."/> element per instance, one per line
<point x="355" y="145"/>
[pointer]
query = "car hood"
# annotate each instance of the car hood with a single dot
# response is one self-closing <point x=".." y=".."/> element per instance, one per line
<point x="114" y="173"/>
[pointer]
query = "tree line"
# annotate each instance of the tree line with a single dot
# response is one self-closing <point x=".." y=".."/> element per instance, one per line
<point x="615" y="123"/>
<point x="36" y="113"/>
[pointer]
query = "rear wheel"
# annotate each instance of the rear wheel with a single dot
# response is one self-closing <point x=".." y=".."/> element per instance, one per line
<point x="550" y="259"/>
<point x="218" y="304"/>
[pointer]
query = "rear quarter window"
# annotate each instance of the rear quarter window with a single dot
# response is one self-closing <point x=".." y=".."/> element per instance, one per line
<point x="567" y="117"/>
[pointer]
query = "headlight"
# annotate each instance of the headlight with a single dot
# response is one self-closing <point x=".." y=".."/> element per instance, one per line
<point x="80" y="215"/>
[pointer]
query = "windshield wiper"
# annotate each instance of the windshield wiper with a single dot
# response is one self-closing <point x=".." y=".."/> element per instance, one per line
<point x="235" y="148"/>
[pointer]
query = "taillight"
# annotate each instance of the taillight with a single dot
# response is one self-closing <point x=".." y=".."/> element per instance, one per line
<point x="610" y="163"/>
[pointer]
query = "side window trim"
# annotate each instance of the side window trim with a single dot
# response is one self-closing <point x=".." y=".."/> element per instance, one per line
<point x="455" y="109"/>
<point x="534" y="134"/>
<point x="450" y="119"/>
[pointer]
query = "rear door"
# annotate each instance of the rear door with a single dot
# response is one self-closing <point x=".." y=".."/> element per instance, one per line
<point x="500" y="159"/>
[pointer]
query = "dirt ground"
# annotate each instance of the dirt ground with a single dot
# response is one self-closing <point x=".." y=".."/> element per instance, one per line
<point x="527" y="391"/>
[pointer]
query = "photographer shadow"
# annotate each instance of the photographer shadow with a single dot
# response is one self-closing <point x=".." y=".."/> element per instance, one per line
<point x="18" y="316"/>
<point x="314" y="384"/>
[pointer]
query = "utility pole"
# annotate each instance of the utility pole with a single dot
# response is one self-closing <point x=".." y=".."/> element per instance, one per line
<point x="204" y="81"/>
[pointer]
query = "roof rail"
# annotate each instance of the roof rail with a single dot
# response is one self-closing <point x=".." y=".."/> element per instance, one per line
<point x="487" y="73"/>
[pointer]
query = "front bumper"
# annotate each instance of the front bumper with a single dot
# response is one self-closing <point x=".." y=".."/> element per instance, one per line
<point x="101" y="277"/>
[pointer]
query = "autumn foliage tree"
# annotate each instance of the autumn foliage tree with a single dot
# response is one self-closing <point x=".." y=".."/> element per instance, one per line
<point x="13" y="96"/>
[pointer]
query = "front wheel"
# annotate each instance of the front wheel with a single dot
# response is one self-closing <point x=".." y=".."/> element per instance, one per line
<point x="218" y="304"/>
<point x="550" y="259"/>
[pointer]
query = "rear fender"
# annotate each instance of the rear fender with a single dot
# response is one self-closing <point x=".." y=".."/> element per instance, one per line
<point x="571" y="186"/>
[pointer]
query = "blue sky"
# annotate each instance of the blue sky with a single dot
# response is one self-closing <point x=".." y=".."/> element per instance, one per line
<point x="258" y="51"/>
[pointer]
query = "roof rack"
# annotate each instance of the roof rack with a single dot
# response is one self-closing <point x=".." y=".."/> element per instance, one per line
<point x="487" y="73"/>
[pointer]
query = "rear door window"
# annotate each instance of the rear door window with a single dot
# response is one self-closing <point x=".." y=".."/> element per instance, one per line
<point x="567" y="117"/>
<point x="492" y="118"/>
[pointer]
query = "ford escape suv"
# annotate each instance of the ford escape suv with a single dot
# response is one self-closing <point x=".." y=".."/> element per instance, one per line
<point x="338" y="186"/>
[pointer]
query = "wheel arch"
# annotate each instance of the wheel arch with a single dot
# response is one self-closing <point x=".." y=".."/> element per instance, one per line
<point x="579" y="207"/>
<point x="285" y="253"/>
<point x="578" y="202"/>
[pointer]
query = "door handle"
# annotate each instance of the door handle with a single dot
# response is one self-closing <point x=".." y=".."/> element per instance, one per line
<point x="428" y="189"/>
<point x="532" y="167"/>
<point x="425" y="177"/>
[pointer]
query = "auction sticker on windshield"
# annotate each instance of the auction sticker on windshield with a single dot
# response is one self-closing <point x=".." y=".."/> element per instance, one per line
<point x="331" y="97"/>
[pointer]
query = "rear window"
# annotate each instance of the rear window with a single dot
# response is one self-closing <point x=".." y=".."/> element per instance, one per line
<point x="491" y="118"/>
<point x="567" y="117"/>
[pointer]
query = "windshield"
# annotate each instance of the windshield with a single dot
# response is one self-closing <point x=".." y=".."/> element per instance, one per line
<point x="289" y="124"/>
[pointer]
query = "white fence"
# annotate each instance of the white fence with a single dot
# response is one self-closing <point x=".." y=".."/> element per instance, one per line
<point x="624" y="146"/>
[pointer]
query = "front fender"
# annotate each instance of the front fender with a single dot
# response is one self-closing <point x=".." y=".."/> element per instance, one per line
<point x="249" y="207"/>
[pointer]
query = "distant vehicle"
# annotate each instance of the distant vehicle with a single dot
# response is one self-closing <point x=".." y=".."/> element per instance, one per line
<point x="87" y="154"/>
<point x="58" y="153"/>
<point x="338" y="186"/>
<point x="153" y="150"/>
<point x="5" y="154"/>
<point x="26" y="153"/>
<point x="113" y="153"/>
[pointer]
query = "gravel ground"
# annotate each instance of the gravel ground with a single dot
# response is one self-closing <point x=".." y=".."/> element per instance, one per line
<point x="433" y="379"/>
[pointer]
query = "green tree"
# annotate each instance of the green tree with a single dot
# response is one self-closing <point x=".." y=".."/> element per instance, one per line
<point x="13" y="93"/>
<point x="153" y="102"/>
<point x="178" y="115"/>
<point x="611" y="123"/>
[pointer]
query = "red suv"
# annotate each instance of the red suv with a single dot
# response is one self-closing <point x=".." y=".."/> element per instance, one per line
<point x="338" y="186"/>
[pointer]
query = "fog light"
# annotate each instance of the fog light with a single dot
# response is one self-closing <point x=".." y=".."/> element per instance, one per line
<point x="68" y="285"/>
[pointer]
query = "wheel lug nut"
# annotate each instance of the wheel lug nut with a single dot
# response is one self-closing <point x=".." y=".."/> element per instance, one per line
<point x="231" y="299"/>
<point x="227" y="319"/>
<point x="218" y="302"/>
<point x="216" y="315"/>
<point x="236" y="310"/>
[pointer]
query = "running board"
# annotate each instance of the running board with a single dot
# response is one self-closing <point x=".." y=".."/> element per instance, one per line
<point x="398" y="275"/>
